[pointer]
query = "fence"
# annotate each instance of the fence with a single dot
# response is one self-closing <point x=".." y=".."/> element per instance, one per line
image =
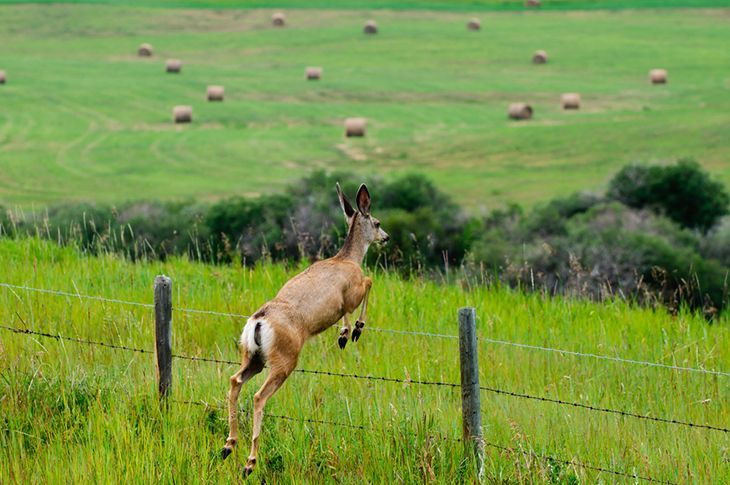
<point x="469" y="385"/>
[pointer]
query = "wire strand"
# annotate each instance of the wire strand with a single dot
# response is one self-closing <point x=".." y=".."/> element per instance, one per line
<point x="558" y="351"/>
<point x="76" y="295"/>
<point x="391" y="331"/>
<point x="379" y="378"/>
<point x="118" y="301"/>
<point x="447" y="438"/>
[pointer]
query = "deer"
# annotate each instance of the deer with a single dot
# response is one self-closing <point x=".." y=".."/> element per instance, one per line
<point x="311" y="302"/>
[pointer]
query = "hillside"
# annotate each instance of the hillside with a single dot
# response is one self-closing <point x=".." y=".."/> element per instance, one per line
<point x="92" y="121"/>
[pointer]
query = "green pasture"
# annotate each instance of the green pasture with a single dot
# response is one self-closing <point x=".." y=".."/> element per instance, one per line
<point x="77" y="413"/>
<point x="451" y="5"/>
<point x="83" y="118"/>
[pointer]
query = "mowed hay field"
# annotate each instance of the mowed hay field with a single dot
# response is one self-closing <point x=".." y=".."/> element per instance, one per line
<point x="83" y="118"/>
<point x="73" y="412"/>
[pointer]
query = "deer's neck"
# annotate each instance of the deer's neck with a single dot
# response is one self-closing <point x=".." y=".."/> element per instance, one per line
<point x="355" y="245"/>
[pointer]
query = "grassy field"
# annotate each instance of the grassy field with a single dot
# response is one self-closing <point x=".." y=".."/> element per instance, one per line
<point x="73" y="413"/>
<point x="82" y="118"/>
<point x="450" y="5"/>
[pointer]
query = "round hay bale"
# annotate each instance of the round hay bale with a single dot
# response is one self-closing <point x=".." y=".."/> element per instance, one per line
<point x="182" y="114"/>
<point x="278" y="19"/>
<point x="520" y="111"/>
<point x="658" y="76"/>
<point x="539" y="57"/>
<point x="3" y="78"/>
<point x="145" y="50"/>
<point x="371" y="27"/>
<point x="355" y="127"/>
<point x="173" y="65"/>
<point x="474" y="24"/>
<point x="570" y="101"/>
<point x="313" y="73"/>
<point x="533" y="3"/>
<point x="215" y="93"/>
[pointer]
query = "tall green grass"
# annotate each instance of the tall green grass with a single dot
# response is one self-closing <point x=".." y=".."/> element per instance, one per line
<point x="72" y="412"/>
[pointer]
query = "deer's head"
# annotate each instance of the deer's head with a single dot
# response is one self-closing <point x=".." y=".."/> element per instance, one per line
<point x="360" y="220"/>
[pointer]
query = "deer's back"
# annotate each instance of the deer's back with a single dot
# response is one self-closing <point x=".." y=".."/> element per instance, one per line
<point x="320" y="295"/>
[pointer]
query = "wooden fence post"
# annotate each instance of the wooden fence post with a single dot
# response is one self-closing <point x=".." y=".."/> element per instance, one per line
<point x="471" y="416"/>
<point x="163" y="333"/>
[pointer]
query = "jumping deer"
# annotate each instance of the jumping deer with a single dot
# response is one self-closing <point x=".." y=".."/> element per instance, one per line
<point x="306" y="305"/>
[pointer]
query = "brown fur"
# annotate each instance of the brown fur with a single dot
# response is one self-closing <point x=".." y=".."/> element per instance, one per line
<point x="311" y="302"/>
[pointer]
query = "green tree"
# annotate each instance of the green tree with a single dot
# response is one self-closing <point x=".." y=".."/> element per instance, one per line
<point x="683" y="192"/>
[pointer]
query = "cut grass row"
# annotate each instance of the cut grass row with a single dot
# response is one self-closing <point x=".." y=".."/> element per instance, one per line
<point x="92" y="121"/>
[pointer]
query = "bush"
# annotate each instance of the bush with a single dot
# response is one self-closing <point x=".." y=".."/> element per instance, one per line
<point x="6" y="225"/>
<point x="627" y="244"/>
<point x="684" y="192"/>
<point x="552" y="217"/>
<point x="87" y="225"/>
<point x="426" y="228"/>
<point x="164" y="228"/>
<point x="253" y="228"/>
<point x="717" y="243"/>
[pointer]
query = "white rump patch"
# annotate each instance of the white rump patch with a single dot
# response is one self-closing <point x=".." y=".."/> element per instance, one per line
<point x="248" y="337"/>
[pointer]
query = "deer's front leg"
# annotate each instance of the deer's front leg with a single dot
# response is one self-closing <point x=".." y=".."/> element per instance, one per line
<point x="360" y="323"/>
<point x="344" y="331"/>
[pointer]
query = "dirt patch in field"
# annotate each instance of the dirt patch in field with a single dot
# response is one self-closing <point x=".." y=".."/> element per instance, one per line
<point x="352" y="152"/>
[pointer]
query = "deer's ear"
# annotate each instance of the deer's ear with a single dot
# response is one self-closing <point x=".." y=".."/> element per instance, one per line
<point x="346" y="206"/>
<point x="363" y="200"/>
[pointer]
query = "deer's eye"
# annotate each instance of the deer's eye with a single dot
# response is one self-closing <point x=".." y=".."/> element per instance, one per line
<point x="377" y="224"/>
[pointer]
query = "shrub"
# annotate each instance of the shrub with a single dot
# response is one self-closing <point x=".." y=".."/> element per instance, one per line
<point x="426" y="228"/>
<point x="551" y="218"/>
<point x="253" y="227"/>
<point x="165" y="228"/>
<point x="87" y="225"/>
<point x="684" y="192"/>
<point x="717" y="243"/>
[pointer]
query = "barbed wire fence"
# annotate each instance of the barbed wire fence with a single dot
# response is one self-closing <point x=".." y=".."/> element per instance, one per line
<point x="163" y="316"/>
<point x="197" y="311"/>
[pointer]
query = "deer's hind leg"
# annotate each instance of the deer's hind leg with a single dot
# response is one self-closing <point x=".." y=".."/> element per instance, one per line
<point x="367" y="283"/>
<point x="250" y="366"/>
<point x="281" y="366"/>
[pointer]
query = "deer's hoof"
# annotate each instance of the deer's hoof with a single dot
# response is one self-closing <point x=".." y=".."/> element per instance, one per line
<point x="357" y="331"/>
<point x="248" y="469"/>
<point x="226" y="452"/>
<point x="342" y="341"/>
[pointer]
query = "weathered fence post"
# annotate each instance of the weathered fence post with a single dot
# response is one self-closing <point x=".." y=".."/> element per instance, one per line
<point x="471" y="416"/>
<point x="163" y="333"/>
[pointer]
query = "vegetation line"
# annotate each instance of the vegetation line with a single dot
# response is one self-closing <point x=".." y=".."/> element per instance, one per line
<point x="386" y="330"/>
<point x="379" y="378"/>
<point x="503" y="448"/>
